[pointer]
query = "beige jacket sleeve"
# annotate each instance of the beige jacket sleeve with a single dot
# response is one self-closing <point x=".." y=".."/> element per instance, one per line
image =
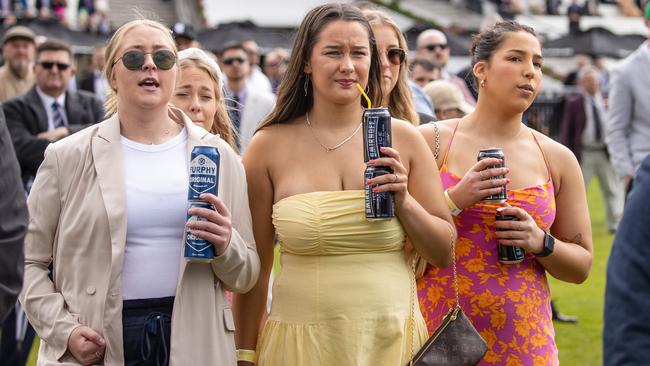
<point x="239" y="266"/>
<point x="44" y="305"/>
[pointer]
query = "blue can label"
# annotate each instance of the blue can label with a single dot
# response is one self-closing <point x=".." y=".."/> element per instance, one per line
<point x="197" y="249"/>
<point x="204" y="172"/>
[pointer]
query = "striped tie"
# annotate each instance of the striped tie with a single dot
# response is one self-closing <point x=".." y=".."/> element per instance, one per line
<point x="57" y="116"/>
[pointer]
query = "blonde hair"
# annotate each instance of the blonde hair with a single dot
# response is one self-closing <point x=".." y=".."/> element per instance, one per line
<point x="111" y="55"/>
<point x="199" y="60"/>
<point x="400" y="101"/>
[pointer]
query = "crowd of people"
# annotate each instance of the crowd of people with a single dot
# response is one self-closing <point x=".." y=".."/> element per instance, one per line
<point x="104" y="171"/>
<point x="91" y="15"/>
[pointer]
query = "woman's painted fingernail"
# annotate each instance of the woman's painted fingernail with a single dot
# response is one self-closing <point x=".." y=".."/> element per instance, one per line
<point x="369" y="182"/>
<point x="376" y="189"/>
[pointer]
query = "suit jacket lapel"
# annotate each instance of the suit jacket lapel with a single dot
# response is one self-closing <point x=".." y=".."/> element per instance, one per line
<point x="109" y="166"/>
<point x="36" y="104"/>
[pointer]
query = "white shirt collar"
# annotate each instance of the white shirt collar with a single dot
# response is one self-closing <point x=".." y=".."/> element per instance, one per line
<point x="48" y="100"/>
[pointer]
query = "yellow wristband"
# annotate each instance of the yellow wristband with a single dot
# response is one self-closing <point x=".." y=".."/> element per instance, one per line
<point x="452" y="206"/>
<point x="248" y="355"/>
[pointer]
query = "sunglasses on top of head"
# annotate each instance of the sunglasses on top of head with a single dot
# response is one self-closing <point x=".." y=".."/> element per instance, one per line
<point x="395" y="56"/>
<point x="49" y="65"/>
<point x="133" y="60"/>
<point x="432" y="47"/>
<point x="232" y="60"/>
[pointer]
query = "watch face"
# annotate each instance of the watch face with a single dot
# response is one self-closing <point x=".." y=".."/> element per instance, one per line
<point x="549" y="244"/>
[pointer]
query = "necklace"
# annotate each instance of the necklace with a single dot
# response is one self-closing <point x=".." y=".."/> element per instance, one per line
<point x="327" y="148"/>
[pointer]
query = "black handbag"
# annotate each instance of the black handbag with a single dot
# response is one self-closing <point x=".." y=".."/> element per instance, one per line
<point x="455" y="342"/>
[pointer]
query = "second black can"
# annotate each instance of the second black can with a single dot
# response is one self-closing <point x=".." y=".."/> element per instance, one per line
<point x="379" y="205"/>
<point x="509" y="254"/>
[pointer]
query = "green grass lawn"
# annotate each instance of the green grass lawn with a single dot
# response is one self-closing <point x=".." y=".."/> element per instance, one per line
<point x="579" y="344"/>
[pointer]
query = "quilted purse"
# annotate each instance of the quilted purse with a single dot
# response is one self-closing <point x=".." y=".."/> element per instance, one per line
<point x="456" y="342"/>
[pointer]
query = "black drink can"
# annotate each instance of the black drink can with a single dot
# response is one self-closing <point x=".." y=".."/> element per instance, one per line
<point x="376" y="132"/>
<point x="379" y="205"/>
<point x="497" y="153"/>
<point x="508" y="254"/>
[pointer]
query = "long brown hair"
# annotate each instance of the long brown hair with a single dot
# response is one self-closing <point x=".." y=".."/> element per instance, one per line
<point x="292" y="101"/>
<point x="400" y="101"/>
<point x="221" y="124"/>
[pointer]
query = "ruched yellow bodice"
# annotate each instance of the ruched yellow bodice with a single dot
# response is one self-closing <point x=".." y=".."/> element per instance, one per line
<point x="343" y="294"/>
<point x="331" y="223"/>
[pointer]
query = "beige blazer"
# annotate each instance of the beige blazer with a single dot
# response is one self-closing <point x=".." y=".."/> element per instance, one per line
<point x="78" y="223"/>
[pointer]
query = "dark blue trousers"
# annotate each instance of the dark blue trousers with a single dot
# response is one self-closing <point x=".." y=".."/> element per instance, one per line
<point x="146" y="325"/>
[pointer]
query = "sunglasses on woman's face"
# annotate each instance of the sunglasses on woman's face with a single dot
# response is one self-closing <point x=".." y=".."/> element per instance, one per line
<point x="395" y="56"/>
<point x="133" y="60"/>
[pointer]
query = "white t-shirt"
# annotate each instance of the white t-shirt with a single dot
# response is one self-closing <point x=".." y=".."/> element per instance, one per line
<point x="156" y="178"/>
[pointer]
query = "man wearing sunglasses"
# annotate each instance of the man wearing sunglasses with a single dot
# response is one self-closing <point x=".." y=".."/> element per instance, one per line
<point x="47" y="112"/>
<point x="247" y="105"/>
<point x="432" y="45"/>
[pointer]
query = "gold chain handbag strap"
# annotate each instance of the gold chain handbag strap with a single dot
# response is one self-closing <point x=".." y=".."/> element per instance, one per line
<point x="452" y="243"/>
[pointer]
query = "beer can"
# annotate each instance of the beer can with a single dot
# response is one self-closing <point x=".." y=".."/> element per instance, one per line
<point x="204" y="172"/>
<point x="376" y="132"/>
<point x="497" y="153"/>
<point x="508" y="254"/>
<point x="379" y="205"/>
<point x="197" y="249"/>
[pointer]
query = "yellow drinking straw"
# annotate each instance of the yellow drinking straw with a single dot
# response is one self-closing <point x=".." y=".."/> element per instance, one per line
<point x="364" y="95"/>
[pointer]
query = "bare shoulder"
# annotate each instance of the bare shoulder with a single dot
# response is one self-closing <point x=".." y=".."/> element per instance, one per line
<point x="405" y="132"/>
<point x="267" y="142"/>
<point x="561" y="160"/>
<point x="554" y="150"/>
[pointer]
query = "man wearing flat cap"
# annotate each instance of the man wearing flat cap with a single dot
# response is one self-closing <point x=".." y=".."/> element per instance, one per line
<point x="17" y="75"/>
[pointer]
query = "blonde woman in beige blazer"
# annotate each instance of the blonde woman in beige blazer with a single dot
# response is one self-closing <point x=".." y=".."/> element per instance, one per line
<point x="80" y="225"/>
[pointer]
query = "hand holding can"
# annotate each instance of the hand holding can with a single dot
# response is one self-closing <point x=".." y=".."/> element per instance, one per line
<point x="508" y="254"/>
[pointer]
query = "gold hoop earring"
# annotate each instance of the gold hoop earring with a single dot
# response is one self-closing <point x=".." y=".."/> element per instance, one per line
<point x="305" y="85"/>
<point x="482" y="83"/>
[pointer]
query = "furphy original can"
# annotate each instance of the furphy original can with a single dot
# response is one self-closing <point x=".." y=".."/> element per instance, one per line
<point x="497" y="153"/>
<point x="197" y="249"/>
<point x="204" y="172"/>
<point x="204" y="178"/>
<point x="508" y="254"/>
<point x="379" y="205"/>
<point x="376" y="132"/>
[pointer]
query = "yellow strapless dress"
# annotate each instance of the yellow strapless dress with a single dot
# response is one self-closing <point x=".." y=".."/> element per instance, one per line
<point x="343" y="294"/>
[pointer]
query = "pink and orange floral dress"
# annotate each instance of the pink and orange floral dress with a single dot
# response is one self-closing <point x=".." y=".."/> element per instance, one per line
<point x="509" y="304"/>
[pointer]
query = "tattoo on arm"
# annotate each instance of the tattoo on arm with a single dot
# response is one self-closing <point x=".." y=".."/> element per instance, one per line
<point x="575" y="240"/>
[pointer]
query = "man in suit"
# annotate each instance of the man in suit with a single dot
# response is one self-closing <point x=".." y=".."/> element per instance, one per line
<point x="626" y="332"/>
<point x="16" y="75"/>
<point x="96" y="82"/>
<point x="247" y="105"/>
<point x="628" y="129"/>
<point x="14" y="346"/>
<point x="47" y="113"/>
<point x="13" y="216"/>
<point x="583" y="126"/>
